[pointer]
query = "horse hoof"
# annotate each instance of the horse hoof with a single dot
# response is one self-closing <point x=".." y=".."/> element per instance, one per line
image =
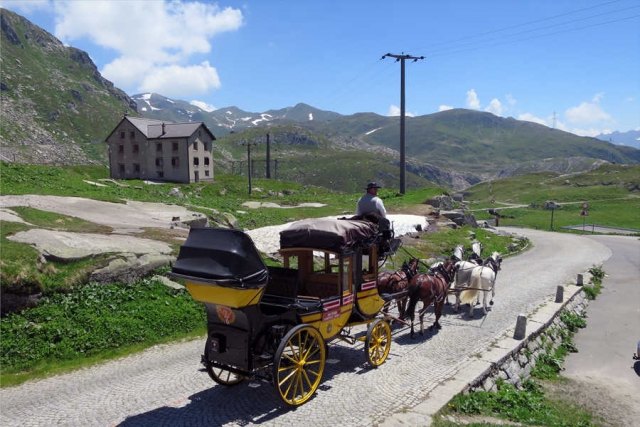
<point x="490" y="302"/>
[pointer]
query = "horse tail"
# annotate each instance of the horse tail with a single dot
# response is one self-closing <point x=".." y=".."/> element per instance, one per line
<point x="467" y="296"/>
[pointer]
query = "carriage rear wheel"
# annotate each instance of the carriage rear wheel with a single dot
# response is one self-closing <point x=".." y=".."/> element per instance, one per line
<point x="299" y="364"/>
<point x="219" y="375"/>
<point x="378" y="342"/>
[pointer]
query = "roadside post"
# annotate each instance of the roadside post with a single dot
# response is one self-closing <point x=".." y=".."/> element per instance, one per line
<point x="584" y="214"/>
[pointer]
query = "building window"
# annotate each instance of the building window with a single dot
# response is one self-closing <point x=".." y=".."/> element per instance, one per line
<point x="196" y="161"/>
<point x="195" y="145"/>
<point x="174" y="146"/>
<point x="122" y="135"/>
<point x="136" y="167"/>
<point x="160" y="174"/>
<point x="132" y="134"/>
<point x="120" y="168"/>
<point x="120" y="148"/>
<point x="159" y="162"/>
<point x="206" y="161"/>
<point x="206" y="172"/>
<point x="175" y="162"/>
<point x="136" y="148"/>
<point x="159" y="146"/>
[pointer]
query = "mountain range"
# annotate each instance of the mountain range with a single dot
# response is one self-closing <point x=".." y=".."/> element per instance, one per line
<point x="58" y="109"/>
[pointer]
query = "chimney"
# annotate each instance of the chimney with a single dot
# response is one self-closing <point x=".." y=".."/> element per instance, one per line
<point x="163" y="129"/>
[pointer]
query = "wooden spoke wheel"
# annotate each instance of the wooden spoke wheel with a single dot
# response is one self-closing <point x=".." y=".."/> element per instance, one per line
<point x="219" y="375"/>
<point x="299" y="364"/>
<point x="378" y="342"/>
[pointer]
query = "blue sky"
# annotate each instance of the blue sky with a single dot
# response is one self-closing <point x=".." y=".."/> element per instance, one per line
<point x="572" y="64"/>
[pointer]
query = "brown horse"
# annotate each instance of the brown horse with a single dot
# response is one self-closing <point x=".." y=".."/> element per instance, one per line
<point x="430" y="288"/>
<point x="392" y="283"/>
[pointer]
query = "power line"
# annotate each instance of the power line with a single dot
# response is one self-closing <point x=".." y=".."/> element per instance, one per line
<point x="524" y="24"/>
<point x="436" y="53"/>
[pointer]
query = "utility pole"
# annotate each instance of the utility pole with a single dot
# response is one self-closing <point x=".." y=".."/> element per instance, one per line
<point x="268" y="158"/>
<point x="249" y="144"/>
<point x="402" y="58"/>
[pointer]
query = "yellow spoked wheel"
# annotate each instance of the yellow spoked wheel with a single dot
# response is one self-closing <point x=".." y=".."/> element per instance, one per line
<point x="299" y="364"/>
<point x="378" y="342"/>
<point x="219" y="375"/>
<point x="222" y="376"/>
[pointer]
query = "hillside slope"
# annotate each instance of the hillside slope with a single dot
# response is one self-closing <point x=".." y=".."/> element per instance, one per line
<point x="56" y="107"/>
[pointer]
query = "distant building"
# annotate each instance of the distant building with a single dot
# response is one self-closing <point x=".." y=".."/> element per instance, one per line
<point x="161" y="151"/>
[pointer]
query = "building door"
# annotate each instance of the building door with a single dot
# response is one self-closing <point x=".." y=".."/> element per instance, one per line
<point x="196" y="176"/>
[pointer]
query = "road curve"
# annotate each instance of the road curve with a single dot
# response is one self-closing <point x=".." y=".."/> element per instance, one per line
<point x="166" y="385"/>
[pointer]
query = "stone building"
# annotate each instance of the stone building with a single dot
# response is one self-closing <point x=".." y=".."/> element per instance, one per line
<point x="161" y="151"/>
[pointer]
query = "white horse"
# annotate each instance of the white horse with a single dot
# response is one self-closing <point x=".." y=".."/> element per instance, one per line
<point x="462" y="278"/>
<point x="482" y="278"/>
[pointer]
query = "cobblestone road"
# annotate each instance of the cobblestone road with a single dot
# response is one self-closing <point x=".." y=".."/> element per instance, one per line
<point x="166" y="386"/>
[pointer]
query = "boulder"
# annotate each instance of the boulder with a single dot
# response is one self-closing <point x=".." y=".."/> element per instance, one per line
<point x="129" y="268"/>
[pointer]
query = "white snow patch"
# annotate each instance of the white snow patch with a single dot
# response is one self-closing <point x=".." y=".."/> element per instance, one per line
<point x="372" y="131"/>
<point x="146" y="96"/>
<point x="144" y="108"/>
<point x="310" y="116"/>
<point x="229" y="112"/>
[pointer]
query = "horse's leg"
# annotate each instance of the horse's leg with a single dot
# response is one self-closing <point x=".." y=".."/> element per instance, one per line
<point x="422" y="313"/>
<point x="484" y="302"/>
<point x="493" y="292"/>
<point x="437" y="309"/>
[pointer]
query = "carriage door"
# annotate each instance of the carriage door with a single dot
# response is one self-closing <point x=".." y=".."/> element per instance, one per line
<point x="346" y="282"/>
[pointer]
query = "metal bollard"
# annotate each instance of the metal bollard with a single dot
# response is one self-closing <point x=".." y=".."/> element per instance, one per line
<point x="560" y="293"/>
<point x="521" y="327"/>
<point x="580" y="280"/>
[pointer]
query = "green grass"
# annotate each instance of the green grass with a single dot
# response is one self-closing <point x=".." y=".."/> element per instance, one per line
<point x="529" y="406"/>
<point x="95" y="322"/>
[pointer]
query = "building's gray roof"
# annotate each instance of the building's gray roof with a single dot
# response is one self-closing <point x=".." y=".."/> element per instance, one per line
<point x="152" y="129"/>
<point x="172" y="130"/>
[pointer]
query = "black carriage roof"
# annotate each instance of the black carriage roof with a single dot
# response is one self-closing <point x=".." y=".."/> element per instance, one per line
<point x="222" y="255"/>
<point x="334" y="235"/>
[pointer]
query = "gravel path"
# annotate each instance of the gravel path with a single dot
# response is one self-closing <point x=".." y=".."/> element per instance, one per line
<point x="166" y="385"/>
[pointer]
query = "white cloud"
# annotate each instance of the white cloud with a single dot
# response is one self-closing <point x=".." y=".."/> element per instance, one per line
<point x="472" y="99"/>
<point x="153" y="40"/>
<point x="494" y="107"/>
<point x="174" y="81"/>
<point x="203" y="106"/>
<point x="597" y="97"/>
<point x="531" y="118"/>
<point x="586" y="132"/>
<point x="586" y="113"/>
<point x="445" y="108"/>
<point x="510" y="99"/>
<point x="395" y="111"/>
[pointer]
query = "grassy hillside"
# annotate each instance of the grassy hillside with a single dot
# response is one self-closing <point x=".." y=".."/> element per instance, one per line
<point x="56" y="107"/>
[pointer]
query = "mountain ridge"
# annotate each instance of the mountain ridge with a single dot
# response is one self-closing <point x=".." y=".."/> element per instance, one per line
<point x="58" y="109"/>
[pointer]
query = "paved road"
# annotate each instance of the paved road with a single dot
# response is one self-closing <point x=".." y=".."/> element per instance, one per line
<point x="604" y="360"/>
<point x="166" y="385"/>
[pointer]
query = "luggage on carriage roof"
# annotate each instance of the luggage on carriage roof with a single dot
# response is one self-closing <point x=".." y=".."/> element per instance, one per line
<point x="225" y="256"/>
<point x="334" y="235"/>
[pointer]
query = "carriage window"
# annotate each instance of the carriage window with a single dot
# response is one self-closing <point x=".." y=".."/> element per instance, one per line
<point x="346" y="275"/>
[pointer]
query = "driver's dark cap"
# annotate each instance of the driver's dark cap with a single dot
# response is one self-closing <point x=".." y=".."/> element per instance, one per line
<point x="373" y="185"/>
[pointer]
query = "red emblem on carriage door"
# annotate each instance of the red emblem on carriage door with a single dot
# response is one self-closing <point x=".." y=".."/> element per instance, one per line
<point x="225" y="314"/>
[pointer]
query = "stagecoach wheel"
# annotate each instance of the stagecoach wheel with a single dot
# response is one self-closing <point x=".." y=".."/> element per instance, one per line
<point x="299" y="364"/>
<point x="378" y="342"/>
<point x="219" y="375"/>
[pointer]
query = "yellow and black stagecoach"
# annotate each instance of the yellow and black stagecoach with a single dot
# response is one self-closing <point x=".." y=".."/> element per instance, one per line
<point x="274" y="323"/>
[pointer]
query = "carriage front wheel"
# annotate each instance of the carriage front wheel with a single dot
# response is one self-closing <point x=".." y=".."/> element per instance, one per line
<point x="299" y="364"/>
<point x="378" y="342"/>
<point x="219" y="375"/>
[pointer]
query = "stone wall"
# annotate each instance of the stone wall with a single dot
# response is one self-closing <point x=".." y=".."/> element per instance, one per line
<point x="541" y="337"/>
